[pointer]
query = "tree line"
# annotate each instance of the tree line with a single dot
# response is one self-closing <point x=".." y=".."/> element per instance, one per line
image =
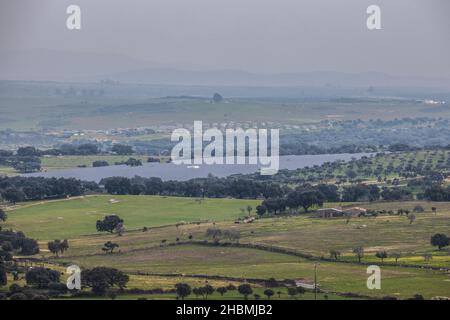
<point x="27" y="159"/>
<point x="211" y="187"/>
<point x="17" y="189"/>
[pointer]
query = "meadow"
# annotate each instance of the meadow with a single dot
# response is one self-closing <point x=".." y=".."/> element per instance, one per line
<point x="75" y="217"/>
<point x="172" y="246"/>
<point x="67" y="162"/>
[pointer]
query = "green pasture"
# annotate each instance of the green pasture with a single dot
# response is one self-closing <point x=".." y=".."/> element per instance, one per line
<point x="75" y="217"/>
<point x="251" y="263"/>
<point x="68" y="162"/>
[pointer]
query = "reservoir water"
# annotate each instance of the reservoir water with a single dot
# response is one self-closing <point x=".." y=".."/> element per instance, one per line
<point x="169" y="171"/>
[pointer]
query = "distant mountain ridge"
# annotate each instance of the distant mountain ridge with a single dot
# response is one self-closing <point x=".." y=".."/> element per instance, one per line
<point x="237" y="77"/>
<point x="43" y="65"/>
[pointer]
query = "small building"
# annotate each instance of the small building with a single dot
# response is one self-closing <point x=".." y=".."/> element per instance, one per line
<point x="245" y="220"/>
<point x="330" y="213"/>
<point x="306" y="284"/>
<point x="355" y="211"/>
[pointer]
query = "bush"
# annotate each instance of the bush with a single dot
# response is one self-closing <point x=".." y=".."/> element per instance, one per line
<point x="57" y="286"/>
<point x="41" y="277"/>
<point x="18" y="296"/>
<point x="14" y="288"/>
<point x="245" y="290"/>
<point x="231" y="287"/>
<point x="100" y="163"/>
<point x="417" y="297"/>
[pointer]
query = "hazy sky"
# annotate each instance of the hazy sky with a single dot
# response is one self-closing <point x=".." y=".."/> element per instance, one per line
<point x="252" y="35"/>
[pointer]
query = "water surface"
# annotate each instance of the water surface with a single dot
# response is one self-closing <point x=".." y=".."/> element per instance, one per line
<point x="169" y="171"/>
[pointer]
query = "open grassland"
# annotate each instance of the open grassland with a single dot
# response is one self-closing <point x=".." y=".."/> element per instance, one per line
<point x="250" y="263"/>
<point x="75" y="217"/>
<point x="154" y="252"/>
<point x="307" y="234"/>
<point x="67" y="162"/>
<point x="391" y="233"/>
<point x="7" y="171"/>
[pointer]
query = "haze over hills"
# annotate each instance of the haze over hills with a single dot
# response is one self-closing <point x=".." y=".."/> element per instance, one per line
<point x="237" y="78"/>
<point x="49" y="65"/>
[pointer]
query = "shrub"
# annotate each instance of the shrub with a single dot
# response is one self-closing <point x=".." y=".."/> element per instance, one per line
<point x="41" y="277"/>
<point x="18" y="296"/>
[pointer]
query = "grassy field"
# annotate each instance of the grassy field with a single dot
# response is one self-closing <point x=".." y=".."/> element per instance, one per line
<point x="154" y="252"/>
<point x="67" y="162"/>
<point x="75" y="217"/>
<point x="7" y="171"/>
<point x="249" y="263"/>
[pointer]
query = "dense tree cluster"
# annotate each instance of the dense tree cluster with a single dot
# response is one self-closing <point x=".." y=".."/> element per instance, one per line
<point x="122" y="149"/>
<point x="21" y="163"/>
<point x="360" y="192"/>
<point x="15" y="189"/>
<point x="58" y="247"/>
<point x="304" y="197"/>
<point x="16" y="242"/>
<point x="132" y="162"/>
<point x="42" y="277"/>
<point x="437" y="193"/>
<point x="208" y="187"/>
<point x="63" y="150"/>
<point x="101" y="279"/>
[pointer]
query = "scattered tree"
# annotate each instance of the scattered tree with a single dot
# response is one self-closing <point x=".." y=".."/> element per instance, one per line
<point x="246" y="290"/>
<point x="208" y="290"/>
<point x="3" y="276"/>
<point x="183" y="290"/>
<point x="301" y="290"/>
<point x="109" y="247"/>
<point x="217" y="97"/>
<point x="381" y="255"/>
<point x="3" y="215"/>
<point x="222" y="290"/>
<point x="440" y="240"/>
<point x="334" y="254"/>
<point x="396" y="256"/>
<point x="427" y="257"/>
<point x="359" y="253"/>
<point x="261" y="210"/>
<point x="292" y="291"/>
<point x="268" y="293"/>
<point x="100" y="163"/>
<point x="109" y="224"/>
<point x="57" y="246"/>
<point x="411" y="218"/>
